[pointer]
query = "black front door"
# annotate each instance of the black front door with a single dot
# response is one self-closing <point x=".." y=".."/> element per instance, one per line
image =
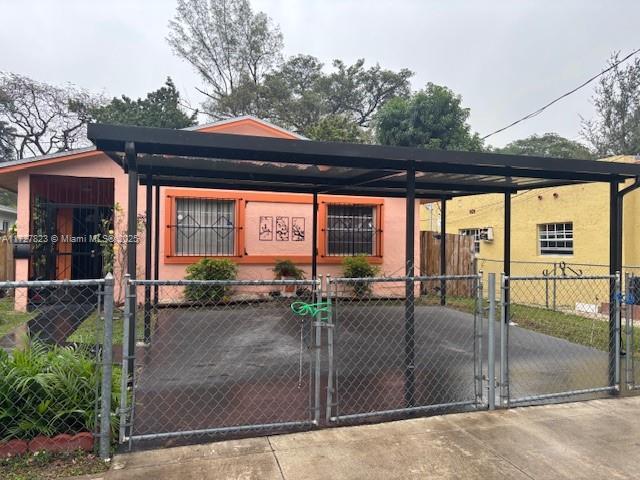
<point x="86" y="254"/>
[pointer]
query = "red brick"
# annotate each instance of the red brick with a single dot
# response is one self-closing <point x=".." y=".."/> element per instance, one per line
<point x="13" y="448"/>
<point x="42" y="443"/>
<point x="82" y="441"/>
<point x="63" y="443"/>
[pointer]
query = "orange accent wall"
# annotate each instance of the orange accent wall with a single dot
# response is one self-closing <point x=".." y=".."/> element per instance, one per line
<point x="64" y="225"/>
<point x="241" y="199"/>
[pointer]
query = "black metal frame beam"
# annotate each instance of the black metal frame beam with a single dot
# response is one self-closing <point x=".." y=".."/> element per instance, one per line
<point x="132" y="232"/>
<point x="192" y="143"/>
<point x="221" y="177"/>
<point x="614" y="269"/>
<point x="314" y="237"/>
<point x="443" y="251"/>
<point x="409" y="303"/>
<point x="506" y="265"/>
<point x="288" y="188"/>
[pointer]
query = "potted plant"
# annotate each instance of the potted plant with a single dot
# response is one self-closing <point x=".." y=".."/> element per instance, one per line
<point x="287" y="270"/>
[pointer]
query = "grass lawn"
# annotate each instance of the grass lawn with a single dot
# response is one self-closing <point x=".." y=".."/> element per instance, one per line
<point x="591" y="332"/>
<point x="9" y="318"/>
<point x="91" y="329"/>
<point x="44" y="465"/>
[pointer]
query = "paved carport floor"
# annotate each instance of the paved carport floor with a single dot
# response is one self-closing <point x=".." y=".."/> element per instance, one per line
<point x="588" y="440"/>
<point x="240" y="365"/>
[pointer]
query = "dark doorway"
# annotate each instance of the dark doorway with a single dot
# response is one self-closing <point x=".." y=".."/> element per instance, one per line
<point x="66" y="215"/>
<point x="86" y="256"/>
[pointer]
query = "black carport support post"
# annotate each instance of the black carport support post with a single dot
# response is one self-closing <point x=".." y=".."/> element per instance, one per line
<point x="443" y="250"/>
<point x="314" y="238"/>
<point x="156" y="245"/>
<point x="132" y="232"/>
<point x="614" y="268"/>
<point x="409" y="320"/>
<point x="506" y="266"/>
<point x="147" y="258"/>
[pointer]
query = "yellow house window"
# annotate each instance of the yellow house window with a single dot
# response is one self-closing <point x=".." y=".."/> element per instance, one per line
<point x="476" y="234"/>
<point x="555" y="238"/>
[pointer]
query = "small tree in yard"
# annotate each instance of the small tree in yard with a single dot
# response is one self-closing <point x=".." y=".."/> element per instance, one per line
<point x="209" y="269"/>
<point x="359" y="267"/>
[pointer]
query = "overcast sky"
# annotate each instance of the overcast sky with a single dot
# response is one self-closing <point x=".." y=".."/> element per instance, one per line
<point x="506" y="58"/>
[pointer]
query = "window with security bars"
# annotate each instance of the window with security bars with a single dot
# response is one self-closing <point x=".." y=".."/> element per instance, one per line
<point x="352" y="230"/>
<point x="555" y="238"/>
<point x="205" y="227"/>
<point x="475" y="234"/>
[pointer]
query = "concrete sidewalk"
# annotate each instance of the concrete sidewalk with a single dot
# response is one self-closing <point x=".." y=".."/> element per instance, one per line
<point x="589" y="440"/>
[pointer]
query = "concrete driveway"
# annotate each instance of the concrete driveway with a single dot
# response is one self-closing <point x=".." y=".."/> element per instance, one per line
<point x="240" y="366"/>
<point x="589" y="440"/>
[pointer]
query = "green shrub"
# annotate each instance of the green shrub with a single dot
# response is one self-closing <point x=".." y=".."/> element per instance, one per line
<point x="286" y="268"/>
<point x="359" y="267"/>
<point x="209" y="269"/>
<point x="46" y="390"/>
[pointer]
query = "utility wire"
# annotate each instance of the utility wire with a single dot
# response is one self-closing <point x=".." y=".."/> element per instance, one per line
<point x="584" y="84"/>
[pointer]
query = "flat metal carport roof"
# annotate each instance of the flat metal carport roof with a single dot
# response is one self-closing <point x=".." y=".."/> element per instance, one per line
<point x="160" y="156"/>
<point x="215" y="160"/>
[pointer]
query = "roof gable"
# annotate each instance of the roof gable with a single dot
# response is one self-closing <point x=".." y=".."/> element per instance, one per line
<point x="247" y="125"/>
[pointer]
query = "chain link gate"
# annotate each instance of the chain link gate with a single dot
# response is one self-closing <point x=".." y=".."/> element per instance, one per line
<point x="387" y="356"/>
<point x="223" y="359"/>
<point x="631" y="315"/>
<point x="231" y="358"/>
<point x="568" y="350"/>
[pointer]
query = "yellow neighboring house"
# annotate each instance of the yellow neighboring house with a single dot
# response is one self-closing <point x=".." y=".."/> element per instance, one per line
<point x="561" y="224"/>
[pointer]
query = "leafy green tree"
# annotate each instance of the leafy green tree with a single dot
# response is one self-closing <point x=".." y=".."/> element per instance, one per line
<point x="292" y="95"/>
<point x="8" y="198"/>
<point x="615" y="130"/>
<point x="299" y="94"/>
<point x="359" y="92"/>
<point x="547" y="145"/>
<point x="338" y="128"/>
<point x="238" y="54"/>
<point x="160" y="108"/>
<point x="432" y="118"/>
<point x="230" y="46"/>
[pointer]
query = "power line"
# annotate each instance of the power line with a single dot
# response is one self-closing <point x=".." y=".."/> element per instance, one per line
<point x="584" y="84"/>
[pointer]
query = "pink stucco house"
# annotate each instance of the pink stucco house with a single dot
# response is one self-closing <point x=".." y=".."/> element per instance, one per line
<point x="79" y="193"/>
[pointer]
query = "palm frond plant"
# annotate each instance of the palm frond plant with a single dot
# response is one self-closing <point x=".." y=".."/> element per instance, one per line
<point x="46" y="390"/>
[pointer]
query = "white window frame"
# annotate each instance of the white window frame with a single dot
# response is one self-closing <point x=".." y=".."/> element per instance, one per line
<point x="555" y="239"/>
<point x="476" y="233"/>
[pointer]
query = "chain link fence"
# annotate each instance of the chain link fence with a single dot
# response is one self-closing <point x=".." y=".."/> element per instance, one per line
<point x="220" y="359"/>
<point x="401" y="345"/>
<point x="51" y="358"/>
<point x="566" y="348"/>
<point x="631" y="322"/>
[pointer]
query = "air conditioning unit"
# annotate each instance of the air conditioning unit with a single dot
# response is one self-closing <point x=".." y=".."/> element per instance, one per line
<point x="486" y="234"/>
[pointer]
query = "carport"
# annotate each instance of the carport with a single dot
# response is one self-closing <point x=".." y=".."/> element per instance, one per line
<point x="164" y="157"/>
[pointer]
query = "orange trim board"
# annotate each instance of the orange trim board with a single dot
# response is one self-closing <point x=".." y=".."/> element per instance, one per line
<point x="241" y="199"/>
